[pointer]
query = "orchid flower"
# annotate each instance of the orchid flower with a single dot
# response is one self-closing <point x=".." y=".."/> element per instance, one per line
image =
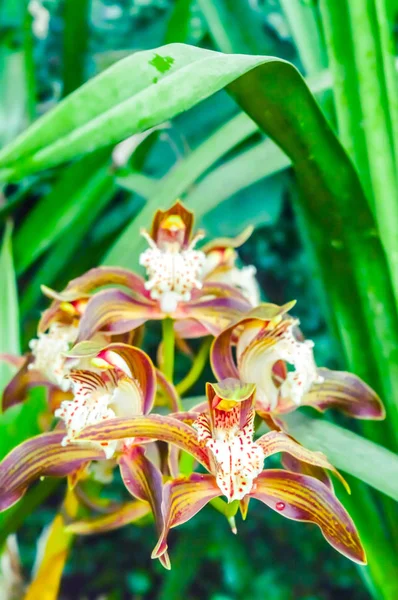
<point x="47" y="363"/>
<point x="175" y="287"/>
<point x="122" y="387"/>
<point x="270" y="352"/>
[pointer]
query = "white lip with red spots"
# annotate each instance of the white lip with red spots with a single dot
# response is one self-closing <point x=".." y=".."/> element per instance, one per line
<point x="99" y="397"/>
<point x="236" y="458"/>
<point x="172" y="272"/>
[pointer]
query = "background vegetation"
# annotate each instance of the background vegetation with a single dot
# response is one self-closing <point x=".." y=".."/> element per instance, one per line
<point x="321" y="236"/>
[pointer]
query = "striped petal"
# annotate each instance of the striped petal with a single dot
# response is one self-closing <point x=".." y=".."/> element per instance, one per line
<point x="275" y="441"/>
<point x="178" y="209"/>
<point x="115" y="312"/>
<point x="40" y="456"/>
<point x="144" y="481"/>
<point x="221" y="356"/>
<point x="92" y="280"/>
<point x="183" y="498"/>
<point x="154" y="427"/>
<point x="124" y="515"/>
<point x="348" y="393"/>
<point x="136" y="364"/>
<point x="297" y="466"/>
<point x="304" y="498"/>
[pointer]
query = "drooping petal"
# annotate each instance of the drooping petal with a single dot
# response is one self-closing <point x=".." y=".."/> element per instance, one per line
<point x="40" y="456"/>
<point x="154" y="427"/>
<point x="183" y="498"/>
<point x="124" y="515"/>
<point x="276" y="441"/>
<point x="144" y="481"/>
<point x="115" y="312"/>
<point x="348" y="393"/>
<point x="304" y="498"/>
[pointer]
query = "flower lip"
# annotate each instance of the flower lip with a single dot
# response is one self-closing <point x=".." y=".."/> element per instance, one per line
<point x="228" y="435"/>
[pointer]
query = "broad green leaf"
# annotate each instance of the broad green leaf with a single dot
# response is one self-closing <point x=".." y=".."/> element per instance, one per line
<point x="9" y="324"/>
<point x="58" y="211"/>
<point x="347" y="451"/>
<point x="192" y="167"/>
<point x="92" y="197"/>
<point x="262" y="160"/>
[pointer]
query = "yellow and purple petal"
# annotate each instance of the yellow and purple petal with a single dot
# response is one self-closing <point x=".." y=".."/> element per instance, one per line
<point x="144" y="481"/>
<point x="304" y="498"/>
<point x="154" y="427"/>
<point x="183" y="498"/>
<point x="346" y="392"/>
<point x="275" y="441"/>
<point x="40" y="456"/>
<point x="128" y="513"/>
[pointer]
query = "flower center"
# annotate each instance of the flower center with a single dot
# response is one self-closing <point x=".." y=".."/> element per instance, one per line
<point x="237" y="459"/>
<point x="172" y="272"/>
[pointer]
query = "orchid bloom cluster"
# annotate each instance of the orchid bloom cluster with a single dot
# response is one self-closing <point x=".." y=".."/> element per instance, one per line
<point x="113" y="406"/>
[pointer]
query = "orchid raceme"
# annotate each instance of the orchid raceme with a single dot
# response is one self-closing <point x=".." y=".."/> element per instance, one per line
<point x="108" y="390"/>
<point x="271" y="353"/>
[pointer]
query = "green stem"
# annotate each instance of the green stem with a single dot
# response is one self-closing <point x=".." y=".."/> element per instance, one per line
<point x="168" y="348"/>
<point x="196" y="369"/>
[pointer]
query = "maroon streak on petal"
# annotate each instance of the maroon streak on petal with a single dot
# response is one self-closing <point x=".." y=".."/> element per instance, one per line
<point x="276" y="441"/>
<point x="346" y="392"/>
<point x="297" y="466"/>
<point x="116" y="312"/>
<point x="144" y="481"/>
<point x="304" y="498"/>
<point x="123" y="515"/>
<point x="92" y="280"/>
<point x="40" y="456"/>
<point x="183" y="498"/>
<point x="154" y="427"/>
